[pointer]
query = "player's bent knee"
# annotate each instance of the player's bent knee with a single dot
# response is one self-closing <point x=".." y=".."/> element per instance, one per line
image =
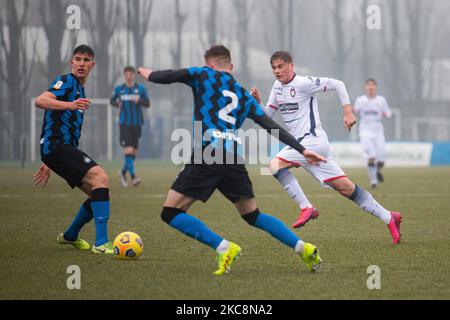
<point x="274" y="166"/>
<point x="347" y="190"/>
<point x="97" y="177"/>
<point x="168" y="213"/>
<point x="344" y="186"/>
<point x="102" y="178"/>
<point x="251" y="217"/>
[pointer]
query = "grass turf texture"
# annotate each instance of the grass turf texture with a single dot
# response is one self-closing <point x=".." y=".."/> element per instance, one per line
<point x="33" y="265"/>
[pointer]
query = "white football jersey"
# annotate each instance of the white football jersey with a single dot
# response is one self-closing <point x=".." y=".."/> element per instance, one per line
<point x="371" y="111"/>
<point x="298" y="105"/>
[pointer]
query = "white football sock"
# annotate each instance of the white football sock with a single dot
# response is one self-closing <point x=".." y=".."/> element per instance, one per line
<point x="223" y="246"/>
<point x="366" y="202"/>
<point x="299" y="246"/>
<point x="373" y="174"/>
<point x="292" y="187"/>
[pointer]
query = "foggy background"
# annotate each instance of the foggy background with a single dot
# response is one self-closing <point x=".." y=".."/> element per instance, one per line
<point x="409" y="57"/>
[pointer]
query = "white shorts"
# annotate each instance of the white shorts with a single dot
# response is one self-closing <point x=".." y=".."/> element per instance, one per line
<point x="325" y="171"/>
<point x="374" y="147"/>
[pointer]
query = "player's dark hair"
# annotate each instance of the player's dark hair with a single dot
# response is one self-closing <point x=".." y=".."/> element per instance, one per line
<point x="371" y="80"/>
<point x="129" y="69"/>
<point x="218" y="52"/>
<point x="84" y="49"/>
<point x="281" y="55"/>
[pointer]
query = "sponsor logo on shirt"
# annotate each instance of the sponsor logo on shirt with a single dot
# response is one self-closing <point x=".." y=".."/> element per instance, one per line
<point x="288" y="107"/>
<point x="58" y="85"/>
<point x="129" y="97"/>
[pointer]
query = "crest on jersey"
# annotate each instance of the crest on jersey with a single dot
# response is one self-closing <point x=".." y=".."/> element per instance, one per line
<point x="86" y="159"/>
<point x="58" y="85"/>
<point x="292" y="92"/>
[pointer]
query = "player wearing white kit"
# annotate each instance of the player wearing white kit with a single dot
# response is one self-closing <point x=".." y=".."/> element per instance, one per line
<point x="371" y="109"/>
<point x="294" y="97"/>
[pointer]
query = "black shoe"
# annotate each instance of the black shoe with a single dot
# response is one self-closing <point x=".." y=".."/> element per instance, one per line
<point x="374" y="186"/>
<point x="380" y="176"/>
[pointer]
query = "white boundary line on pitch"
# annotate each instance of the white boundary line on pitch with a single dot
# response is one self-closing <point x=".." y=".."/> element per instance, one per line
<point x="268" y="195"/>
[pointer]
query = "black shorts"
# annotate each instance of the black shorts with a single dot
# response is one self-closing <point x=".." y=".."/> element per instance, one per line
<point x="69" y="163"/>
<point x="129" y="136"/>
<point x="199" y="181"/>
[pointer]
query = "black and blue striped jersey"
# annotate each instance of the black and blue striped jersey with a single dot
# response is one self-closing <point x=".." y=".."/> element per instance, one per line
<point x="130" y="111"/>
<point x="62" y="126"/>
<point x="221" y="104"/>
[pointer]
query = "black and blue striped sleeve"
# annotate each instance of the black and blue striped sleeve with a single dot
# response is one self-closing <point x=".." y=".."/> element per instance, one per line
<point x="61" y="87"/>
<point x="144" y="99"/>
<point x="115" y="96"/>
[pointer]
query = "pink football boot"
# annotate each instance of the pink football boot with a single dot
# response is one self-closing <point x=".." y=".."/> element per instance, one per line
<point x="305" y="215"/>
<point x="394" y="226"/>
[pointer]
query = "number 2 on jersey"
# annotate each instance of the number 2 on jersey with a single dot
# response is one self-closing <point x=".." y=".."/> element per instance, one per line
<point x="224" y="112"/>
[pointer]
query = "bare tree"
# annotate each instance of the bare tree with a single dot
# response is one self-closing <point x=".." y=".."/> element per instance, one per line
<point x="278" y="9"/>
<point x="394" y="74"/>
<point x="18" y="69"/>
<point x="140" y="20"/>
<point x="338" y="38"/>
<point x="103" y="20"/>
<point x="418" y="42"/>
<point x="365" y="58"/>
<point x="407" y="45"/>
<point x="180" y="19"/>
<point x="52" y="14"/>
<point x="210" y="22"/>
<point x="290" y="23"/>
<point x="243" y="13"/>
<point x="177" y="49"/>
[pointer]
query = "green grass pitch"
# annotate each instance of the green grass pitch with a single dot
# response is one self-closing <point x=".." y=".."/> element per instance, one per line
<point x="33" y="265"/>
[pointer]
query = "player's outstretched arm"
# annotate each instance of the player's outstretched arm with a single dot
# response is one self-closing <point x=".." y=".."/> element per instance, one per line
<point x="165" y="76"/>
<point x="328" y="84"/>
<point x="48" y="101"/>
<point x="41" y="176"/>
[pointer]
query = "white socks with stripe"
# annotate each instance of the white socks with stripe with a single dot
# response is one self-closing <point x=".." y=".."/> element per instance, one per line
<point x="290" y="184"/>
<point x="366" y="202"/>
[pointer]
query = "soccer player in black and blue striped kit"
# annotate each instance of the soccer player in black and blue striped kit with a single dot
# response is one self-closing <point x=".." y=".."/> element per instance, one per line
<point x="222" y="105"/>
<point x="130" y="97"/>
<point x="65" y="104"/>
